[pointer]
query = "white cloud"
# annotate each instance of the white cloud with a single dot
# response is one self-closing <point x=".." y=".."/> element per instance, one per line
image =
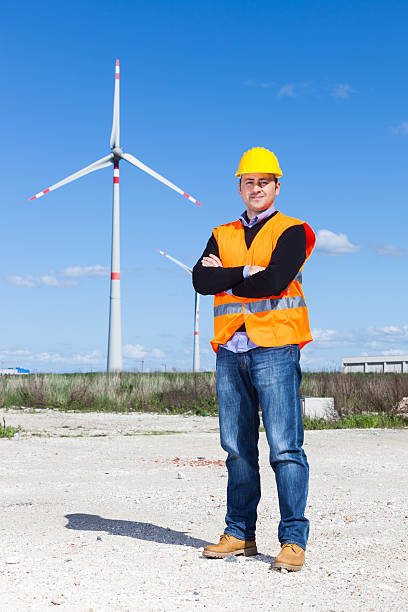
<point x="254" y="83"/>
<point x="92" y="358"/>
<point x="47" y="280"/>
<point x="342" y="91"/>
<point x="134" y="351"/>
<point x="330" y="243"/>
<point x="332" y="337"/>
<point x="137" y="351"/>
<point x="52" y="279"/>
<point x="388" y="333"/>
<point x="75" y="271"/>
<point x="20" y="281"/>
<point x="370" y="337"/>
<point x="324" y="335"/>
<point x="306" y="88"/>
<point x="14" y="353"/>
<point x="330" y="345"/>
<point x="287" y="90"/>
<point x="401" y="129"/>
<point x="389" y="250"/>
<point x="45" y="360"/>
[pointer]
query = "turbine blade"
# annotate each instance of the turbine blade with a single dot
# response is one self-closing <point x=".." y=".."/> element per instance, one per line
<point x="136" y="162"/>
<point x="115" y="134"/>
<point x="176" y="261"/>
<point x="98" y="165"/>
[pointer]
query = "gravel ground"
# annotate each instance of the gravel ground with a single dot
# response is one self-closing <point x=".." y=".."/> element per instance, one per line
<point x="100" y="514"/>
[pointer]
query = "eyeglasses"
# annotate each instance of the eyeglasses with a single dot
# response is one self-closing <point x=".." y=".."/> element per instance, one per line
<point x="261" y="182"/>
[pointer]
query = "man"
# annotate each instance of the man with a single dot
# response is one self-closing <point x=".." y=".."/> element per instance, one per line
<point x="253" y="268"/>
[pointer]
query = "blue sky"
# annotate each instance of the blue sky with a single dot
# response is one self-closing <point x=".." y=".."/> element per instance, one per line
<point x="322" y="84"/>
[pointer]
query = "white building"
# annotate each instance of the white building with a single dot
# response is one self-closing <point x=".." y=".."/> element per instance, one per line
<point x="382" y="364"/>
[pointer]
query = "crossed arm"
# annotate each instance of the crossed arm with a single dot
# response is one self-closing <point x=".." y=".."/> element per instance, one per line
<point x="210" y="277"/>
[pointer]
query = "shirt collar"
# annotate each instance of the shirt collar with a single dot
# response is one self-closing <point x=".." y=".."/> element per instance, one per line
<point x="263" y="215"/>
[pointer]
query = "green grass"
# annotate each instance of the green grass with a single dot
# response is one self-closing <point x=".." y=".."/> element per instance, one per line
<point x="358" y="421"/>
<point x="8" y="431"/>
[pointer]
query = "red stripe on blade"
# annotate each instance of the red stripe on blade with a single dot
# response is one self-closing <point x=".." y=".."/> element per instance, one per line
<point x="186" y="194"/>
<point x="116" y="179"/>
<point x="115" y="276"/>
<point x="33" y="198"/>
<point x="46" y="191"/>
<point x="196" y="333"/>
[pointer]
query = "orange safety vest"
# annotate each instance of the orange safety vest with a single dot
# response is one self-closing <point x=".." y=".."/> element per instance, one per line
<point x="274" y="320"/>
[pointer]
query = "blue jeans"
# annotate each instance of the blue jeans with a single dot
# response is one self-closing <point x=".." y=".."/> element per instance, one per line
<point x="270" y="378"/>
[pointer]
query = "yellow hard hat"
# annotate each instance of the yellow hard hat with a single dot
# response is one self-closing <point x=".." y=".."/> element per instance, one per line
<point x="259" y="159"/>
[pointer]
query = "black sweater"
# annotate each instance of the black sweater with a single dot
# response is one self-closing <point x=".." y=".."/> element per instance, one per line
<point x="287" y="258"/>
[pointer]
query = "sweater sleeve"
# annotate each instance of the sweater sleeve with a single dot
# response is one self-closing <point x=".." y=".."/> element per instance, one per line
<point x="287" y="258"/>
<point x="210" y="281"/>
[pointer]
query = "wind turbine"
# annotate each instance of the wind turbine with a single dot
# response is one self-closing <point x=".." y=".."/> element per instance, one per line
<point x="196" y="353"/>
<point x="115" y="327"/>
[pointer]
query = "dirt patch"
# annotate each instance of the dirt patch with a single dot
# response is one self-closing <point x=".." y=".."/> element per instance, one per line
<point x="118" y="522"/>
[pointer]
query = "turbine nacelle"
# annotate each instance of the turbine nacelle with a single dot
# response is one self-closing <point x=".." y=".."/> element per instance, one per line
<point x="117" y="153"/>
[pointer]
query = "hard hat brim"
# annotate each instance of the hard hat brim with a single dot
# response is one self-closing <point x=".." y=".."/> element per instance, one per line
<point x="277" y="174"/>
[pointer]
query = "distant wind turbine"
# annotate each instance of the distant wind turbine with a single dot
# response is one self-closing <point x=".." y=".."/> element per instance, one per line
<point x="115" y="327"/>
<point x="196" y="353"/>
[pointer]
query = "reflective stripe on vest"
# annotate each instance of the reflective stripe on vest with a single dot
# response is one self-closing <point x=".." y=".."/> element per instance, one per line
<point x="224" y="309"/>
<point x="295" y="301"/>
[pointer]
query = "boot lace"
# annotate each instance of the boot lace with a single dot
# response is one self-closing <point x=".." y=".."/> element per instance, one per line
<point x="224" y="536"/>
<point x="291" y="545"/>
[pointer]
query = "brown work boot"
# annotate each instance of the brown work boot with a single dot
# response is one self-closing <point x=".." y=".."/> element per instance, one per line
<point x="228" y="545"/>
<point x="291" y="558"/>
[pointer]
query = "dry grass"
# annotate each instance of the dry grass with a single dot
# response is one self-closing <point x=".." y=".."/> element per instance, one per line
<point x="187" y="392"/>
<point x="358" y="393"/>
<point x="125" y="392"/>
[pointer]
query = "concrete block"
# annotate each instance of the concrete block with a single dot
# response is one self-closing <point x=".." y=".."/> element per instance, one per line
<point x="318" y="407"/>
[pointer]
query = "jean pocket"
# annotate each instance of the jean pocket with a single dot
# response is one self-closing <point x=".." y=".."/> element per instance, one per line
<point x="295" y="353"/>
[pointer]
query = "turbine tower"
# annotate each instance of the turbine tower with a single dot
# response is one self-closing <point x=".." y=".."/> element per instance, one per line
<point x="114" y="363"/>
<point x="196" y="352"/>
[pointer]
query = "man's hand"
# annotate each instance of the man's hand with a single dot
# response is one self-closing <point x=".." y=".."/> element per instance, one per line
<point x="212" y="261"/>
<point x="255" y="269"/>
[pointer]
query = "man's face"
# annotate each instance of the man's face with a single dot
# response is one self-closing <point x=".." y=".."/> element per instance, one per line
<point x="258" y="191"/>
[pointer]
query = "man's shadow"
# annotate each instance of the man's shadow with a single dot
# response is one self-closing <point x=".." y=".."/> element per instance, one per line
<point x="141" y="531"/>
<point x="132" y="529"/>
